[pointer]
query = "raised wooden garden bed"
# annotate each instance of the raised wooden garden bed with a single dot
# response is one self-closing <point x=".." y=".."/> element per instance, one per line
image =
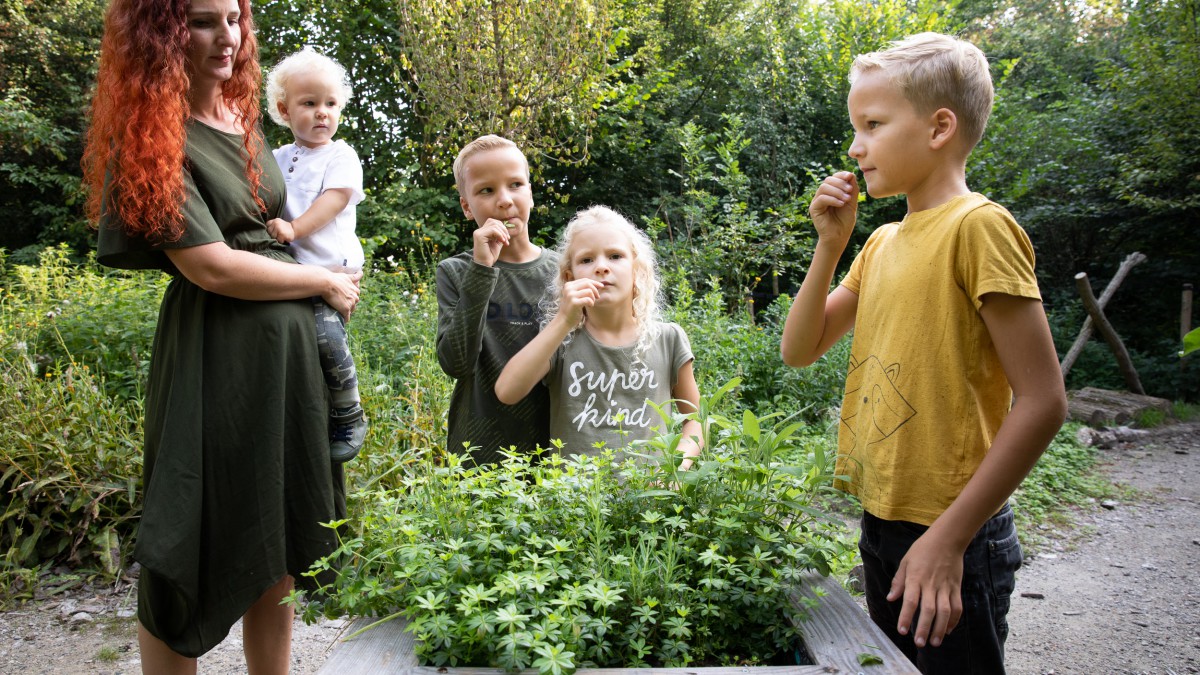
<point x="835" y="634"/>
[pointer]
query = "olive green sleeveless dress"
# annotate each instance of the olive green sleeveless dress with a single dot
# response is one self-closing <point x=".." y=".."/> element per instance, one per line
<point x="237" y="477"/>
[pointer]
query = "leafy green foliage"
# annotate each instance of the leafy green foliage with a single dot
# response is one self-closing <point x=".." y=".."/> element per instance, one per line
<point x="70" y="445"/>
<point x="411" y="222"/>
<point x="571" y="562"/>
<point x="1062" y="477"/>
<point x="404" y="391"/>
<point x="709" y="120"/>
<point x="1150" y="81"/>
<point x="48" y="51"/>
<point x="66" y="312"/>
<point x="742" y="346"/>
<point x="869" y="659"/>
<point x="711" y="229"/>
<point x="1191" y="342"/>
<point x="380" y="121"/>
<point x="478" y="67"/>
<point x="1084" y="149"/>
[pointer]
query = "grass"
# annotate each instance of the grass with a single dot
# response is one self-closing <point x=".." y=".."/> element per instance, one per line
<point x="1186" y="412"/>
<point x="1064" y="478"/>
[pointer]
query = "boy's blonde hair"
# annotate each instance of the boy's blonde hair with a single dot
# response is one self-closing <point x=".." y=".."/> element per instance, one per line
<point x="481" y="144"/>
<point x="647" y="299"/>
<point x="937" y="71"/>
<point x="305" y="61"/>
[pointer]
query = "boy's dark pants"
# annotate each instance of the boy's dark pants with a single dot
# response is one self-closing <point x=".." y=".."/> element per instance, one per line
<point x="976" y="645"/>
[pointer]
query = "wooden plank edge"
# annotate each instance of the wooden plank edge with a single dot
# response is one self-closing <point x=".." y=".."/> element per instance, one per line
<point x="837" y="630"/>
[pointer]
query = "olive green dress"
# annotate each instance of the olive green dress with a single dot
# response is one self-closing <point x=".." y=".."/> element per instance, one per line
<point x="237" y="475"/>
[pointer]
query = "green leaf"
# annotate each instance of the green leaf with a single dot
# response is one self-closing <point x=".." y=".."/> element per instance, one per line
<point x="1191" y="342"/>
<point x="867" y="659"/>
<point x="750" y="425"/>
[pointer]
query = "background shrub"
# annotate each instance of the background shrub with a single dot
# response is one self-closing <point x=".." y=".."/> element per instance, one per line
<point x="746" y="347"/>
<point x="70" y="445"/>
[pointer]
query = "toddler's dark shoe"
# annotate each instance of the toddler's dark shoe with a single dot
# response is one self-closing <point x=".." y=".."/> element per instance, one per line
<point x="348" y="428"/>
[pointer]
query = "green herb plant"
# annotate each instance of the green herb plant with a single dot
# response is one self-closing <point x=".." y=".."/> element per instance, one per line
<point x="70" y="445"/>
<point x="556" y="563"/>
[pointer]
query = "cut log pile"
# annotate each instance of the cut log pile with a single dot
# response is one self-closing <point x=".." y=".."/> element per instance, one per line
<point x="1101" y="407"/>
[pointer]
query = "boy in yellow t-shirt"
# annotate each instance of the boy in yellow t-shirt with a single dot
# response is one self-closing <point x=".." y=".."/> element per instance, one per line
<point x="953" y="388"/>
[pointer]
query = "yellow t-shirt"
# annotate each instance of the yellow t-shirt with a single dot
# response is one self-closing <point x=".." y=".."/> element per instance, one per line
<point x="925" y="392"/>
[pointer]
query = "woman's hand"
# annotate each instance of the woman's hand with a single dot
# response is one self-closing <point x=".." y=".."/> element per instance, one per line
<point x="342" y="294"/>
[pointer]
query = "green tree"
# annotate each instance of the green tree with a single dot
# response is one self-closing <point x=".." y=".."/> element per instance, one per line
<point x="379" y="122"/>
<point x="47" y="66"/>
<point x="1154" y="81"/>
<point x="526" y="70"/>
<point x="779" y="67"/>
<point x="409" y="212"/>
<point x="1089" y="103"/>
<point x="1044" y="155"/>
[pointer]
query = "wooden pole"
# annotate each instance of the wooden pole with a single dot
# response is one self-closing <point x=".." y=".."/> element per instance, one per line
<point x="1185" y="313"/>
<point x="1109" y="334"/>
<point x="1085" y="334"/>
<point x="1185" y="327"/>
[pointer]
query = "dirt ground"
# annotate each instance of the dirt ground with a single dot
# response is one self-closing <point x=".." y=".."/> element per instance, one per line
<point x="1120" y="592"/>
<point x="1117" y="592"/>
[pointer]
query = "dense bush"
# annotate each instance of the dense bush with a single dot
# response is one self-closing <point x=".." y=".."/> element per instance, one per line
<point x="70" y="445"/>
<point x="596" y="562"/>
<point x="65" y="312"/>
<point x="743" y="346"/>
<point x="404" y="391"/>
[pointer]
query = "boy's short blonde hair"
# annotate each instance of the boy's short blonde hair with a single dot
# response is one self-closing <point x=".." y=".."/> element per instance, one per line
<point x="937" y="71"/>
<point x="305" y="61"/>
<point x="481" y="144"/>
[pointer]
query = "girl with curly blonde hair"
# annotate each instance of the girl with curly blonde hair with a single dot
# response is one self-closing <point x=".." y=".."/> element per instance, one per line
<point x="605" y="353"/>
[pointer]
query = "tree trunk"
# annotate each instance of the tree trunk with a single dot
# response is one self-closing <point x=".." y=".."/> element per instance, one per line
<point x="1101" y="407"/>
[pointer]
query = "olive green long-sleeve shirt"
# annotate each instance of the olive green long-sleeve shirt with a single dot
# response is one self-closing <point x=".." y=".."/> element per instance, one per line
<point x="485" y="316"/>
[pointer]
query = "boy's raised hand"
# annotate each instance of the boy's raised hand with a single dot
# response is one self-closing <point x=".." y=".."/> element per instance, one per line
<point x="834" y="208"/>
<point x="488" y="239"/>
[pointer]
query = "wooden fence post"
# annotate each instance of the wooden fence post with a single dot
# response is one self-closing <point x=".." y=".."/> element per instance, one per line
<point x="1110" y="335"/>
<point x="1185" y="313"/>
<point x="1085" y="334"/>
<point x="1185" y="327"/>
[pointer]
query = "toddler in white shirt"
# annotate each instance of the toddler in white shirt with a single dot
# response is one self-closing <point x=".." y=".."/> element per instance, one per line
<point x="307" y="92"/>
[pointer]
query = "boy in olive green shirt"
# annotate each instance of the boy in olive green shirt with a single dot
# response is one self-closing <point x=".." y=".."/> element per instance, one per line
<point x="488" y="304"/>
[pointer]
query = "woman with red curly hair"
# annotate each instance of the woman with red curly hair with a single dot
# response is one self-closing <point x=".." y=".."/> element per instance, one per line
<point x="237" y="477"/>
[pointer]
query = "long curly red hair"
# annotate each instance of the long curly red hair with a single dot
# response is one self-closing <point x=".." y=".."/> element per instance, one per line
<point x="134" y="158"/>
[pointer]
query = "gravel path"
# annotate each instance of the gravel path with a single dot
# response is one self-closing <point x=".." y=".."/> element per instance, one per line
<point x="1121" y="594"/>
<point x="1118" y="593"/>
